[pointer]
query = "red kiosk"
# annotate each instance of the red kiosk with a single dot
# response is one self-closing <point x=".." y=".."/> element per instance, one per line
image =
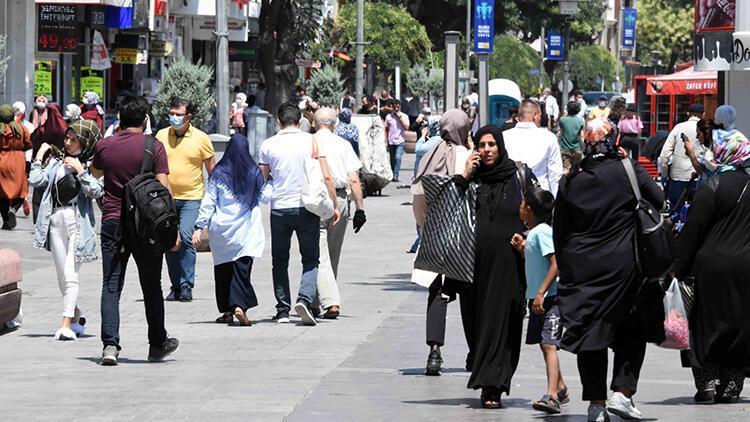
<point x="663" y="100"/>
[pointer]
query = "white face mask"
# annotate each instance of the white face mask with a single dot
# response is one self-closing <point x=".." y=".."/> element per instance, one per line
<point x="41" y="105"/>
<point x="176" y="121"/>
<point x="602" y="104"/>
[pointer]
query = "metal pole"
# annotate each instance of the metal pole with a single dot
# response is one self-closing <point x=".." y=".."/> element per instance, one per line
<point x="360" y="60"/>
<point x="483" y="61"/>
<point x="468" y="44"/>
<point x="397" y="80"/>
<point x="620" y="33"/>
<point x="542" y="49"/>
<point x="222" y="68"/>
<point x="566" y="65"/>
<point x="450" y="87"/>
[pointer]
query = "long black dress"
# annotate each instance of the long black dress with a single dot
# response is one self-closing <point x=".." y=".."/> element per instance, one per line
<point x="499" y="285"/>
<point x="593" y="232"/>
<point x="715" y="247"/>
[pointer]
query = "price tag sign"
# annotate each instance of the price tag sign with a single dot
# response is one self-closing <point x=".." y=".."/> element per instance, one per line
<point x="56" y="28"/>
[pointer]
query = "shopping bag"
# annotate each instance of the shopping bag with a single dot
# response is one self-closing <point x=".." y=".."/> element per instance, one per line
<point x="448" y="238"/>
<point x="676" y="330"/>
<point x="314" y="192"/>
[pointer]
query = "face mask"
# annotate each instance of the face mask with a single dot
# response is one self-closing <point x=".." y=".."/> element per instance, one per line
<point x="176" y="121"/>
<point x="40" y="105"/>
<point x="602" y="104"/>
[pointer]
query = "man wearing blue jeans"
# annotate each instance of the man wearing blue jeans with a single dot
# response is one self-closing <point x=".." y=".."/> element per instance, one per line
<point x="188" y="151"/>
<point x="396" y="124"/>
<point x="282" y="161"/>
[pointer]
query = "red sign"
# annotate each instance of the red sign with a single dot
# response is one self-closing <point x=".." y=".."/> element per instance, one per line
<point x="715" y="15"/>
<point x="57" y="29"/>
<point x="160" y="7"/>
<point x="684" y="87"/>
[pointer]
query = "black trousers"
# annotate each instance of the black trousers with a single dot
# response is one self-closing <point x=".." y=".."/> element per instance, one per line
<point x="632" y="143"/>
<point x="7" y="204"/>
<point x="629" y="349"/>
<point x="437" y="310"/>
<point x="233" y="288"/>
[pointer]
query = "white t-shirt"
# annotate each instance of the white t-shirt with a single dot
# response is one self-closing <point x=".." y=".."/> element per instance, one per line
<point x="340" y="157"/>
<point x="538" y="149"/>
<point x="285" y="156"/>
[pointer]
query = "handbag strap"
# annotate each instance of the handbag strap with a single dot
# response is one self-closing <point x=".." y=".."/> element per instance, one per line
<point x="631" y="177"/>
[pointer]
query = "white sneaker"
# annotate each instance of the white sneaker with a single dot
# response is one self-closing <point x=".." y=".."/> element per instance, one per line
<point x="65" y="334"/>
<point x="304" y="312"/>
<point x="598" y="413"/>
<point x="623" y="407"/>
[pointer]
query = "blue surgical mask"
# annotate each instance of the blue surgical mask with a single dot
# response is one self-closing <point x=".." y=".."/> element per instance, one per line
<point x="176" y="121"/>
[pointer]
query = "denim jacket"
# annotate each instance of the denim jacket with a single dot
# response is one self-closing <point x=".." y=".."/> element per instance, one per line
<point x="91" y="188"/>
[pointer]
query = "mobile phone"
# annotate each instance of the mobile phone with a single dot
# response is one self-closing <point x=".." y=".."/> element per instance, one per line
<point x="684" y="138"/>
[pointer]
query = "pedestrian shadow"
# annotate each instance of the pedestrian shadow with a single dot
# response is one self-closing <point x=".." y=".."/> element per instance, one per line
<point x="562" y="418"/>
<point x="5" y="331"/>
<point x="47" y="335"/>
<point x="420" y="371"/>
<point x="686" y="401"/>
<point x="474" y="403"/>
<point x="120" y="360"/>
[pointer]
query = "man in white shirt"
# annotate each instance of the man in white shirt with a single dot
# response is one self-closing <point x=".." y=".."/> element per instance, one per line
<point x="534" y="146"/>
<point x="551" y="107"/>
<point x="675" y="163"/>
<point x="344" y="167"/>
<point x="282" y="160"/>
<point x="578" y="95"/>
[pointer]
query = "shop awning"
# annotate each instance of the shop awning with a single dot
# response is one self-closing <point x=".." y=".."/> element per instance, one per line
<point x="115" y="3"/>
<point x="685" y="82"/>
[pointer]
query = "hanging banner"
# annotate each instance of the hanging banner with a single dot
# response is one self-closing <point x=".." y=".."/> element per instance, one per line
<point x="712" y="51"/>
<point x="715" y="15"/>
<point x="484" y="26"/>
<point x="99" y="55"/>
<point x="555" y="46"/>
<point x="629" y="18"/>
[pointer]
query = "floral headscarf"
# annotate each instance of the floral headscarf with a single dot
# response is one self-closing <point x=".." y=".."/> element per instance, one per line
<point x="731" y="149"/>
<point x="599" y="137"/>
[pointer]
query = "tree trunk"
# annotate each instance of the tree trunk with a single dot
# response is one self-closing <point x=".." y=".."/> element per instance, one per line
<point x="277" y="49"/>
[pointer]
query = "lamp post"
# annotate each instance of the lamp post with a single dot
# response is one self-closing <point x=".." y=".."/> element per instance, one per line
<point x="568" y="8"/>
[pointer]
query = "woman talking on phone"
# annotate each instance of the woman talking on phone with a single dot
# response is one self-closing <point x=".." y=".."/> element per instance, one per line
<point x="498" y="293"/>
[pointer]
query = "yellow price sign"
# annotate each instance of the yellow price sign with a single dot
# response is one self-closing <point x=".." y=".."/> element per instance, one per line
<point x="42" y="83"/>
<point x="126" y="56"/>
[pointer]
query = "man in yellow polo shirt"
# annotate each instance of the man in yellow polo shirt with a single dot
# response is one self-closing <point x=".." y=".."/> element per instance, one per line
<point x="189" y="150"/>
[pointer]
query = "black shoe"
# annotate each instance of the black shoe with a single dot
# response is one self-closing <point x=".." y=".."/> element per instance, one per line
<point x="186" y="294"/>
<point x="169" y="346"/>
<point x="11" y="219"/>
<point x="281" y="317"/>
<point x="434" y="360"/>
<point x="330" y="314"/>
<point x="173" y="296"/>
<point x="704" y="397"/>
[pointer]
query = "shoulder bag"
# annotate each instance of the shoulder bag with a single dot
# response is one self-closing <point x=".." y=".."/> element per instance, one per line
<point x="314" y="193"/>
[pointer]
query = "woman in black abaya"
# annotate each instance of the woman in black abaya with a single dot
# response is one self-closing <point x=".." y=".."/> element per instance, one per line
<point x="499" y="278"/>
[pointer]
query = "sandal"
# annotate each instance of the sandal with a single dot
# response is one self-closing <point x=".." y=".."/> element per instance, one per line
<point x="490" y="399"/>
<point x="562" y="396"/>
<point x="547" y="404"/>
<point x="242" y="317"/>
<point x="225" y="318"/>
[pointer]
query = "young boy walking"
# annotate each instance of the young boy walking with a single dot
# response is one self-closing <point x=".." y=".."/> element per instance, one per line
<point x="544" y="327"/>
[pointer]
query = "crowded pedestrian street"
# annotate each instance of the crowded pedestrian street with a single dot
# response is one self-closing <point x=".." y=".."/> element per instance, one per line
<point x="366" y="366"/>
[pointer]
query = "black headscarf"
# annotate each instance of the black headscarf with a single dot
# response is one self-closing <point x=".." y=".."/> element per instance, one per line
<point x="493" y="180"/>
<point x="504" y="167"/>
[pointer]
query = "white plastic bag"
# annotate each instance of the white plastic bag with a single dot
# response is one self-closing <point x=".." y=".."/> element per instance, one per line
<point x="676" y="330"/>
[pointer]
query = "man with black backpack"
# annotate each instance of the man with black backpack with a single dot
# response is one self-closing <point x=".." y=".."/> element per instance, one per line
<point x="138" y="218"/>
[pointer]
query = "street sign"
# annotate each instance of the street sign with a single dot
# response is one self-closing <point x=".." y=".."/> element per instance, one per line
<point x="484" y="26"/>
<point x="159" y="48"/>
<point x="555" y="46"/>
<point x="568" y="7"/>
<point x="562" y="86"/>
<point x="629" y="18"/>
<point x="57" y="28"/>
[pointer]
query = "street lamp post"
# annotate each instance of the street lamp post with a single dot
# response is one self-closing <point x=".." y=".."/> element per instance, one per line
<point x="568" y="8"/>
<point x="222" y="68"/>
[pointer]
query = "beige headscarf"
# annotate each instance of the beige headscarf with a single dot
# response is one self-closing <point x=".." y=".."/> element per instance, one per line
<point x="441" y="159"/>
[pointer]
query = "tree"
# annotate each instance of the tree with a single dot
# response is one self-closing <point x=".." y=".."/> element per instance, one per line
<point x="418" y="81"/>
<point x="665" y="26"/>
<point x="394" y="35"/>
<point x="4" y="60"/>
<point x="514" y="60"/>
<point x="286" y="28"/>
<point x="326" y="86"/>
<point x="590" y="65"/>
<point x="191" y="82"/>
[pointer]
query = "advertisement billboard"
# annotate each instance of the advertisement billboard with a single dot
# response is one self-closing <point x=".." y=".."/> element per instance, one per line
<point x="714" y="15"/>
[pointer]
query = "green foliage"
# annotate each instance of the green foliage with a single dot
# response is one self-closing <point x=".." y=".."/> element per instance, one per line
<point x="190" y="82"/>
<point x="394" y="35"/>
<point x="3" y="58"/>
<point x="513" y="59"/>
<point x="588" y="65"/>
<point x="665" y="26"/>
<point x="326" y="86"/>
<point x="435" y="84"/>
<point x="418" y="81"/>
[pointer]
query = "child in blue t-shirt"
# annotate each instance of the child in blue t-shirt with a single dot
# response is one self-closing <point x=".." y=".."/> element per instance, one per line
<point x="541" y="290"/>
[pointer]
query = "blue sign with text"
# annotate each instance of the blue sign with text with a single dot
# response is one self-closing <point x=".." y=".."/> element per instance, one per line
<point x="629" y="18"/>
<point x="484" y="26"/>
<point x="555" y="49"/>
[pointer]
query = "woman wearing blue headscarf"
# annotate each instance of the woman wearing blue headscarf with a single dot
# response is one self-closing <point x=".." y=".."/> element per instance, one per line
<point x="347" y="130"/>
<point x="235" y="230"/>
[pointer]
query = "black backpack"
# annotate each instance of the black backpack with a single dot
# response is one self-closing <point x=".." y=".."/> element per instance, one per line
<point x="149" y="218"/>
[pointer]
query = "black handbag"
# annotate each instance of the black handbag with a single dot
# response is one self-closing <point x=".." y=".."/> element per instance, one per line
<point x="654" y="240"/>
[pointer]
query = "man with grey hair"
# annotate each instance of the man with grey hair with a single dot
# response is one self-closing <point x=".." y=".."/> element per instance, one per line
<point x="549" y="102"/>
<point x="344" y="167"/>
